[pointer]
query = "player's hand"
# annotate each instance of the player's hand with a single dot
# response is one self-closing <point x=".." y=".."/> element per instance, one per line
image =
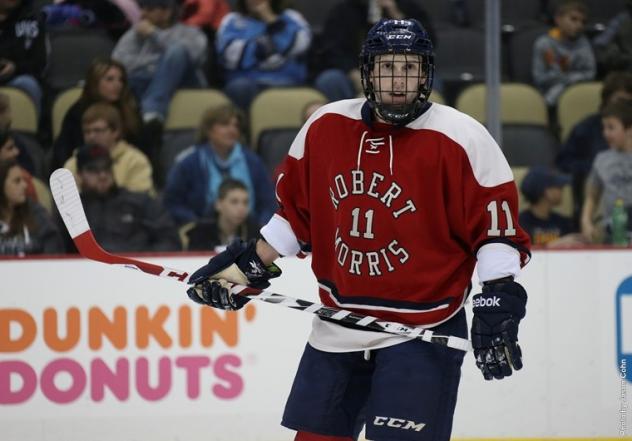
<point x="240" y="264"/>
<point x="216" y="293"/>
<point x="497" y="314"/>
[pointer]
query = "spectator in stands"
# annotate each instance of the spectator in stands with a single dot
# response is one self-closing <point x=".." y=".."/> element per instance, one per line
<point x="106" y="81"/>
<point x="25" y="227"/>
<point x="542" y="188"/>
<point x="563" y="56"/>
<point x="9" y="151"/>
<point x="230" y="221"/>
<point x="101" y="124"/>
<point x="204" y="14"/>
<point x="611" y="175"/>
<point x="613" y="47"/>
<point x="262" y="44"/>
<point x="17" y="141"/>
<point x="193" y="181"/>
<point x="587" y="139"/>
<point x="122" y="221"/>
<point x="161" y="55"/>
<point x="115" y="16"/>
<point x="344" y="31"/>
<point x="23" y="49"/>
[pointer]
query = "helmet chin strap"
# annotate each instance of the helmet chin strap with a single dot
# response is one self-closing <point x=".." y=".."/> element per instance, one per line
<point x="399" y="114"/>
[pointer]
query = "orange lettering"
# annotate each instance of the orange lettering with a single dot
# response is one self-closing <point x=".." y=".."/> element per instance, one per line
<point x="184" y="317"/>
<point x="27" y="323"/>
<point x="115" y="330"/>
<point x="211" y="322"/>
<point x="147" y="326"/>
<point x="51" y="330"/>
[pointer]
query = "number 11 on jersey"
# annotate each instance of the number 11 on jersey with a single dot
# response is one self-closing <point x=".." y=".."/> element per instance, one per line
<point x="494" y="231"/>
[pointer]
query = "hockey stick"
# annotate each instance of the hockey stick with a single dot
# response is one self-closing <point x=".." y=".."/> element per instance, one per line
<point x="66" y="196"/>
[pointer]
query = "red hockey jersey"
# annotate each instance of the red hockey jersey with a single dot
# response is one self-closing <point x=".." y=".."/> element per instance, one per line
<point x="395" y="215"/>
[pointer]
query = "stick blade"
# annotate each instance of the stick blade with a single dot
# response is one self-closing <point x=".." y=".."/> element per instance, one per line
<point x="66" y="196"/>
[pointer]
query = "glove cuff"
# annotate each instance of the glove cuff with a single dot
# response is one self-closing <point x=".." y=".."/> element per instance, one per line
<point x="501" y="296"/>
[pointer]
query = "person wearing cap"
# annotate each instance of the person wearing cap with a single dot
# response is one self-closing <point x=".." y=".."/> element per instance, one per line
<point x="121" y="220"/>
<point x="102" y="125"/>
<point x="542" y="188"/>
<point x="161" y="55"/>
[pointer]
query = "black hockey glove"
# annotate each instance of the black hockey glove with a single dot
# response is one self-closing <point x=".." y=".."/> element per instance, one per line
<point x="497" y="313"/>
<point x="240" y="264"/>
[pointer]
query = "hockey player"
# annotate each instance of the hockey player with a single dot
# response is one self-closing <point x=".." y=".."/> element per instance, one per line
<point x="397" y="198"/>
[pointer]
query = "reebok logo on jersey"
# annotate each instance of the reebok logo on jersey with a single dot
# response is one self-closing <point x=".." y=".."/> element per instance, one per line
<point x="398" y="423"/>
<point x="480" y="302"/>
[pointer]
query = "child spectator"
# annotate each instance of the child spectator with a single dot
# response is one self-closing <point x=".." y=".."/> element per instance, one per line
<point x="193" y="181"/>
<point x="230" y="221"/>
<point x="23" y="48"/>
<point x="25" y="227"/>
<point x="563" y="56"/>
<point x="586" y="139"/>
<point x="161" y="55"/>
<point x="122" y="221"/>
<point x="611" y="175"/>
<point x="106" y="81"/>
<point x="101" y="124"/>
<point x="262" y="45"/>
<point x="542" y="188"/>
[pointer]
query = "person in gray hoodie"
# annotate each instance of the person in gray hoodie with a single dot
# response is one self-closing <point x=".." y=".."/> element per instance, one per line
<point x="161" y="55"/>
<point x="563" y="56"/>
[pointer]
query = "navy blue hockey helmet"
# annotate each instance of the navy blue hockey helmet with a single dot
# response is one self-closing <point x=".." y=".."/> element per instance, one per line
<point x="396" y="103"/>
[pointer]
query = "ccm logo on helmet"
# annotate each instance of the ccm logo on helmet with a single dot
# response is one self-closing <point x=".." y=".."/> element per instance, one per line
<point x="398" y="423"/>
<point x="494" y="301"/>
<point x="398" y="37"/>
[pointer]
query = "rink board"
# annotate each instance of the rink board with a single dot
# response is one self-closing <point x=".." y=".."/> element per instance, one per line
<point x="89" y="351"/>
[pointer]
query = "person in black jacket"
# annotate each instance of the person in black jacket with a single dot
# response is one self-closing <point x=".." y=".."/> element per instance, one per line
<point x="344" y="31"/>
<point x="122" y="221"/>
<point x="23" y="48"/>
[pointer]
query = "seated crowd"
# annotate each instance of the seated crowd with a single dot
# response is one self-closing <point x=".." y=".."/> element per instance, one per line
<point x="112" y="137"/>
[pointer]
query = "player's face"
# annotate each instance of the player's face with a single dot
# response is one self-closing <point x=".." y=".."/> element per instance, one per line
<point x="223" y="135"/>
<point x="614" y="132"/>
<point x="234" y="206"/>
<point x="397" y="77"/>
<point x="15" y="186"/>
<point x="111" y="84"/>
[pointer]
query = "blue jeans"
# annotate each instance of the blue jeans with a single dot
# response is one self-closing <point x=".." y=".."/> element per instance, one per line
<point x="155" y="89"/>
<point x="29" y="85"/>
<point x="242" y="91"/>
<point x="335" y="85"/>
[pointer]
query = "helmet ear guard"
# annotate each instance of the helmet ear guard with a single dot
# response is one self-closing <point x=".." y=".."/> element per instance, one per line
<point x="397" y="37"/>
